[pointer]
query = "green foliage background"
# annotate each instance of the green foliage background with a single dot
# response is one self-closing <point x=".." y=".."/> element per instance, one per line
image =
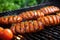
<point x="6" y="5"/>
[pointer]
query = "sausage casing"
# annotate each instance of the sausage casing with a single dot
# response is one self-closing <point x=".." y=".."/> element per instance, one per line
<point x="10" y="19"/>
<point x="27" y="27"/>
<point x="29" y="15"/>
<point x="34" y="14"/>
<point x="49" y="9"/>
<point x="50" y="20"/>
<point x="35" y="25"/>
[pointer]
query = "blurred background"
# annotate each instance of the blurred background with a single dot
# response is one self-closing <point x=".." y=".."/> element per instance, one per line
<point x="6" y="5"/>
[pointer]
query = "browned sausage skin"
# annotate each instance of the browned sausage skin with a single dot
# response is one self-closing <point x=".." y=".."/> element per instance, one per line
<point x="29" y="15"/>
<point x="50" y="20"/>
<point x="27" y="27"/>
<point x="36" y="25"/>
<point x="10" y="19"/>
<point x="49" y="9"/>
<point x="39" y="13"/>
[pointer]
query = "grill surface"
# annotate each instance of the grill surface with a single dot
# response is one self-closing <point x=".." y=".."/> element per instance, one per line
<point x="51" y="33"/>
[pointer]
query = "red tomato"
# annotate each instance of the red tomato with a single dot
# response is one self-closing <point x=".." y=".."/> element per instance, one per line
<point x="7" y="34"/>
<point x="1" y="32"/>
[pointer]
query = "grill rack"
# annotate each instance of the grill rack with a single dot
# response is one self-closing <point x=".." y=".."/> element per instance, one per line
<point x="51" y="33"/>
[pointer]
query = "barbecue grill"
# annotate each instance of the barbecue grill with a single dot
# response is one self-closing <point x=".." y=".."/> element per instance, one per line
<point x="51" y="33"/>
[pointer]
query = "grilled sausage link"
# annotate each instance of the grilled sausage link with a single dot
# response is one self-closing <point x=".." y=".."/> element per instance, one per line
<point x="36" y="25"/>
<point x="27" y="27"/>
<point x="10" y="19"/>
<point x="31" y="14"/>
<point x="49" y="9"/>
<point x="38" y="13"/>
<point x="50" y="20"/>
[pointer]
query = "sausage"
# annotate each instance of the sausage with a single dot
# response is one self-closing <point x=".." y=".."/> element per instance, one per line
<point x="35" y="25"/>
<point x="34" y="14"/>
<point x="29" y="15"/>
<point x="27" y="27"/>
<point x="50" y="20"/>
<point x="10" y="19"/>
<point x="49" y="9"/>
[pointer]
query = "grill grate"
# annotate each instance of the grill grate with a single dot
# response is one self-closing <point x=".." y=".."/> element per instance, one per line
<point x="51" y="33"/>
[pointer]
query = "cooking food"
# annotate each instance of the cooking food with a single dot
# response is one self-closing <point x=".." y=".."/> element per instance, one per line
<point x="39" y="13"/>
<point x="5" y="34"/>
<point x="19" y="27"/>
<point x="27" y="27"/>
<point x="36" y="25"/>
<point x="49" y="9"/>
<point x="50" y="20"/>
<point x="29" y="15"/>
<point x="1" y="29"/>
<point x="10" y="19"/>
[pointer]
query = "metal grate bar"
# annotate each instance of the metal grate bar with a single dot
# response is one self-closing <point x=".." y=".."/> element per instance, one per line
<point x="34" y="37"/>
<point x="27" y="37"/>
<point x="54" y="33"/>
<point x="51" y="33"/>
